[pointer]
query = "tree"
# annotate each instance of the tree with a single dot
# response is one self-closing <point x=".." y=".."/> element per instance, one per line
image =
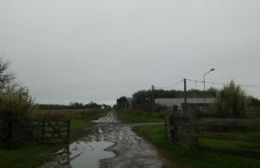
<point x="92" y="105"/>
<point x="13" y="99"/>
<point x="5" y="76"/>
<point x="122" y="102"/>
<point x="232" y="101"/>
<point x="76" y="105"/>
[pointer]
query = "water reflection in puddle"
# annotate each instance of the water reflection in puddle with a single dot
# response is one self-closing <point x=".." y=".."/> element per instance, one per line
<point x="88" y="154"/>
<point x="81" y="154"/>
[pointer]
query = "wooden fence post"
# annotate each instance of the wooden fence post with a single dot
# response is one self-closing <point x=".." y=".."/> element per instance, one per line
<point x="68" y="136"/>
<point x="9" y="130"/>
<point x="43" y="131"/>
<point x="193" y="136"/>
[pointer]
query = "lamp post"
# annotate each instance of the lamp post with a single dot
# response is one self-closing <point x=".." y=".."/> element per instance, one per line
<point x="204" y="82"/>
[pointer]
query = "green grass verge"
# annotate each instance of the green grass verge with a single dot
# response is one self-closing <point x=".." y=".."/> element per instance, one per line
<point x="31" y="156"/>
<point x="139" y="117"/>
<point x="25" y="157"/>
<point x="155" y="134"/>
<point x="228" y="144"/>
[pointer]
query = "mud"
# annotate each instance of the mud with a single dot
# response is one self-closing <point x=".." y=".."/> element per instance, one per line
<point x="111" y="145"/>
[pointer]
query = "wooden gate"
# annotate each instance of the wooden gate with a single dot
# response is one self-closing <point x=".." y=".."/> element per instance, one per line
<point x="17" y="131"/>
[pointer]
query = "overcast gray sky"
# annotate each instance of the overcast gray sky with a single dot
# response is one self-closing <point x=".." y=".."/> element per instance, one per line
<point x="85" y="50"/>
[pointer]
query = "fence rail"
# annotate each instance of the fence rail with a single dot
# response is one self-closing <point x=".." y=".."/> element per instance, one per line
<point x="188" y="130"/>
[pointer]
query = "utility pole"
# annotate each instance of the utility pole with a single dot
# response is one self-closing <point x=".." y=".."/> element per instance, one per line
<point x="204" y="83"/>
<point x="152" y="98"/>
<point x="185" y="93"/>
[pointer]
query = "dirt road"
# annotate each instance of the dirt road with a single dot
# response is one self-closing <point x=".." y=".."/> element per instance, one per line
<point x="132" y="151"/>
<point x="127" y="151"/>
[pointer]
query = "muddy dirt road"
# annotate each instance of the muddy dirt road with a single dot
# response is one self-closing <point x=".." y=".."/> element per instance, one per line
<point x="110" y="145"/>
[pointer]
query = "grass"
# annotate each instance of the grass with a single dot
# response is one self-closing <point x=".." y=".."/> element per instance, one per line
<point x="155" y="134"/>
<point x="139" y="117"/>
<point x="244" y="136"/>
<point x="25" y="157"/>
<point x="228" y="144"/>
<point x="31" y="156"/>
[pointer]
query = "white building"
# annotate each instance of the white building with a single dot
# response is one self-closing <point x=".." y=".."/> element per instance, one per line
<point x="173" y="102"/>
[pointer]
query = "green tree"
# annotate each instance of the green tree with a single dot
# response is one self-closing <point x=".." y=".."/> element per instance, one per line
<point x="232" y="101"/>
<point x="122" y="102"/>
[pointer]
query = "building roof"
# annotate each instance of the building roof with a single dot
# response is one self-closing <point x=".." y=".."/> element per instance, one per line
<point x="170" y="102"/>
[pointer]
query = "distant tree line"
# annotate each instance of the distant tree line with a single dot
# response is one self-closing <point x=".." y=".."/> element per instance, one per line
<point x="144" y="98"/>
<point x="231" y="100"/>
<point x="254" y="101"/>
<point x="74" y="105"/>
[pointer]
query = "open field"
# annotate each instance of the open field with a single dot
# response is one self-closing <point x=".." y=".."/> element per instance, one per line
<point x="129" y="116"/>
<point x="155" y="134"/>
<point x="30" y="156"/>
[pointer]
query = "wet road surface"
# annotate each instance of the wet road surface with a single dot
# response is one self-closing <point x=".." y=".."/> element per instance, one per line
<point x="110" y="145"/>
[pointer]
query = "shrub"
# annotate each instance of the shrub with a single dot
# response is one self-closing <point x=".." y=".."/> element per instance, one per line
<point x="17" y="103"/>
<point x="232" y="101"/>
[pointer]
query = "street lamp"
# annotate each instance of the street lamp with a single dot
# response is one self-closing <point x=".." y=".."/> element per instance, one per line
<point x="204" y="81"/>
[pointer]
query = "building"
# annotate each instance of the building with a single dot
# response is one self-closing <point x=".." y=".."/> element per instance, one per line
<point x="177" y="102"/>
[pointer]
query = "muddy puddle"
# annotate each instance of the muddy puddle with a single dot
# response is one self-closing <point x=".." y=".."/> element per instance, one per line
<point x="87" y="154"/>
<point x="81" y="154"/>
<point x="110" y="145"/>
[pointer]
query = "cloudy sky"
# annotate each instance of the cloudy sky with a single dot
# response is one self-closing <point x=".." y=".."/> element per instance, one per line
<point x="85" y="50"/>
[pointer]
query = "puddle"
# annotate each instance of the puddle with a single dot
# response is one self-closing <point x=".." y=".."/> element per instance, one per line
<point x="82" y="154"/>
<point x="90" y="152"/>
<point x="87" y="154"/>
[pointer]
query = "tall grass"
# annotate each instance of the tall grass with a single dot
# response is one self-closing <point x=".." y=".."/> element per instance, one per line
<point x="16" y="102"/>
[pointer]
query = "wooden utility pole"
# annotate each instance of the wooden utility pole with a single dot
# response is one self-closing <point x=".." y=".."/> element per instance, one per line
<point x="152" y="98"/>
<point x="185" y="93"/>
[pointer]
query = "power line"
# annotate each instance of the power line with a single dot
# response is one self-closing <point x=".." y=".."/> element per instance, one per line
<point x="221" y="83"/>
<point x="207" y="82"/>
<point x="172" y="85"/>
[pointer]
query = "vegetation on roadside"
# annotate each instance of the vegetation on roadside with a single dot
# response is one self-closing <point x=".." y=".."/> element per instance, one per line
<point x="232" y="101"/>
<point x="16" y="103"/>
<point x="155" y="134"/>
<point x="14" y="100"/>
<point x="29" y="156"/>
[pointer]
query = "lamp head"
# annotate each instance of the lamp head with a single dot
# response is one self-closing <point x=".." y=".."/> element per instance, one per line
<point x="212" y="69"/>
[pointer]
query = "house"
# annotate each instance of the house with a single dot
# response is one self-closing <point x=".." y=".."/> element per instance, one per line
<point x="176" y="103"/>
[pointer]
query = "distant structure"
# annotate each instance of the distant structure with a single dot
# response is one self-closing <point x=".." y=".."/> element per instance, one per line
<point x="176" y="103"/>
<point x="130" y="102"/>
<point x="124" y="103"/>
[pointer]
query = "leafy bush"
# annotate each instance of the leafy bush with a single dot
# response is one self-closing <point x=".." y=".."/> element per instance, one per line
<point x="232" y="101"/>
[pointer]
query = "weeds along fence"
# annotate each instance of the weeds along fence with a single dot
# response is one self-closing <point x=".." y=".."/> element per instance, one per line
<point x="15" y="131"/>
<point x="218" y="135"/>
